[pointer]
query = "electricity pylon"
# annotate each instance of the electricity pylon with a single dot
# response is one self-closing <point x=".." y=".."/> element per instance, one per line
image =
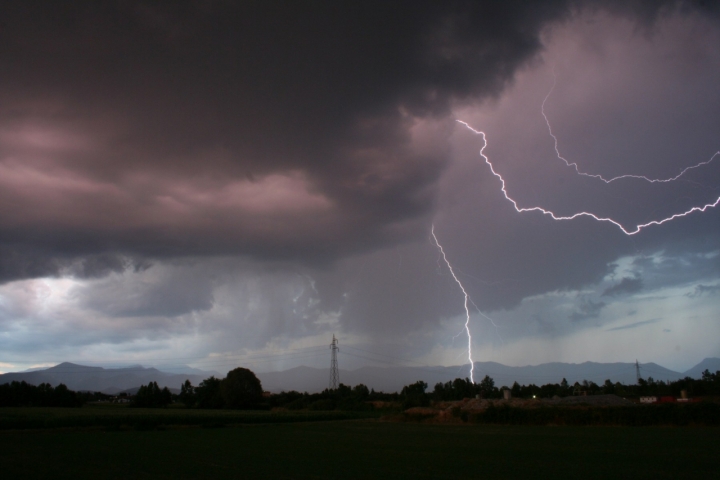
<point x="334" y="374"/>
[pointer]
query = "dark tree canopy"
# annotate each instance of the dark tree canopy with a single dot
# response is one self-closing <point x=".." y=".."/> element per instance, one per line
<point x="241" y="389"/>
<point x="151" y="396"/>
<point x="414" y="395"/>
<point x="22" y="394"/>
<point x="208" y="395"/>
<point x="187" y="394"/>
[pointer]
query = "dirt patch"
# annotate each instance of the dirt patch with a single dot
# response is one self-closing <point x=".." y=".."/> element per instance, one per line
<point x="459" y="411"/>
<point x="593" y="400"/>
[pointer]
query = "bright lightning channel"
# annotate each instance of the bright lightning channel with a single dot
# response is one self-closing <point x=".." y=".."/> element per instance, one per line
<point x="544" y="211"/>
<point x="583" y="214"/>
<point x="600" y="177"/>
<point x="467" y="299"/>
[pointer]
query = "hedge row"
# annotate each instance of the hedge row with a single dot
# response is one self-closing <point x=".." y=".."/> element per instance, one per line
<point x="703" y="413"/>
<point x="141" y="420"/>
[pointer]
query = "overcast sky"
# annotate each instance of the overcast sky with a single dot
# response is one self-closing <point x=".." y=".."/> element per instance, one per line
<point x="227" y="184"/>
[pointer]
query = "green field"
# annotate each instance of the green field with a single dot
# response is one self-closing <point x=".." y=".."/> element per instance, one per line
<point x="114" y="417"/>
<point x="362" y="449"/>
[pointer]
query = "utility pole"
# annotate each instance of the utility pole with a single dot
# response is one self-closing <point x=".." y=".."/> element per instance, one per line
<point x="637" y="371"/>
<point x="334" y="374"/>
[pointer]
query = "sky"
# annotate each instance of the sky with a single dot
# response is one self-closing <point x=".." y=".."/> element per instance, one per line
<point x="223" y="184"/>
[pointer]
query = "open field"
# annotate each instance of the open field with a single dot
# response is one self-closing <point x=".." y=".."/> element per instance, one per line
<point x="582" y="413"/>
<point x="363" y="449"/>
<point x="118" y="417"/>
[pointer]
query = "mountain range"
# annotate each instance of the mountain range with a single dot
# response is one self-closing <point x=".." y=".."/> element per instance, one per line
<point x="391" y="379"/>
<point x="106" y="380"/>
<point x="386" y="379"/>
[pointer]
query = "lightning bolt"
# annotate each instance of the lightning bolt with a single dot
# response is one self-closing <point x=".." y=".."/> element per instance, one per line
<point x="467" y="299"/>
<point x="600" y="177"/>
<point x="552" y="215"/>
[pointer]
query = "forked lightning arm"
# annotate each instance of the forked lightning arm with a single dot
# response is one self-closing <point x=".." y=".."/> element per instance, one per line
<point x="557" y="217"/>
<point x="581" y="214"/>
<point x="600" y="177"/>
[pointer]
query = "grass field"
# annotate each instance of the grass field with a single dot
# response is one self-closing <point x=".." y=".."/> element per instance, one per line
<point x="362" y="449"/>
<point x="121" y="417"/>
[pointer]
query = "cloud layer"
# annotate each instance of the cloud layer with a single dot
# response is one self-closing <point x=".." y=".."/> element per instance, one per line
<point x="258" y="175"/>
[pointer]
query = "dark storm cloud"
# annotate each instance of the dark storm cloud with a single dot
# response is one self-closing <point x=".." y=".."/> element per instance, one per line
<point x="636" y="324"/>
<point x="274" y="129"/>
<point x="26" y="263"/>
<point x="97" y="266"/>
<point x="626" y="286"/>
<point x="586" y="310"/>
<point x="542" y="255"/>
<point x="136" y="133"/>
<point x="167" y="296"/>
<point x="671" y="267"/>
<point x="701" y="290"/>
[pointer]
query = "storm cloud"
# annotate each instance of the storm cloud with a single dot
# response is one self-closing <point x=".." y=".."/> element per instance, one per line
<point x="627" y="285"/>
<point x="270" y="129"/>
<point x="208" y="176"/>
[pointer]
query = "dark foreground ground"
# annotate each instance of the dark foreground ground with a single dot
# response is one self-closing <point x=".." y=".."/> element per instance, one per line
<point x="362" y="449"/>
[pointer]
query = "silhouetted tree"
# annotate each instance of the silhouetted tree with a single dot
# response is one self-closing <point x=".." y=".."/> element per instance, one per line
<point x="608" y="387"/>
<point x="187" y="394"/>
<point x="361" y="392"/>
<point x="64" y="397"/>
<point x="151" y="396"/>
<point x="208" y="393"/>
<point x="487" y="387"/>
<point x="414" y="395"/>
<point x="22" y="394"/>
<point x="564" y="388"/>
<point x="241" y="389"/>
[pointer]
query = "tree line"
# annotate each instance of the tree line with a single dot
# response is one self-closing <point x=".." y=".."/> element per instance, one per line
<point x="241" y="389"/>
<point x="22" y="394"/>
<point x="459" y="388"/>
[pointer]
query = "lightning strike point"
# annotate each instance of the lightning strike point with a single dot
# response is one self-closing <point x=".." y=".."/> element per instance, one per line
<point x="467" y="299"/>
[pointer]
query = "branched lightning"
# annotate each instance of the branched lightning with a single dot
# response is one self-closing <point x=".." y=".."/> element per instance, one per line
<point x="600" y="177"/>
<point x="551" y="214"/>
<point x="580" y="214"/>
<point x="492" y="322"/>
<point x="467" y="299"/>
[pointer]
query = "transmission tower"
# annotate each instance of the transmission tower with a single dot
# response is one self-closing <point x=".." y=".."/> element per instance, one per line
<point x="637" y="371"/>
<point x="334" y="374"/>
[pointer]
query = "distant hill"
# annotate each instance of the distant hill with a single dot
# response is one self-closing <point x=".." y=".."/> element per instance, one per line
<point x="185" y="370"/>
<point x="98" y="379"/>
<point x="712" y="364"/>
<point x="392" y="379"/>
<point x="385" y="379"/>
